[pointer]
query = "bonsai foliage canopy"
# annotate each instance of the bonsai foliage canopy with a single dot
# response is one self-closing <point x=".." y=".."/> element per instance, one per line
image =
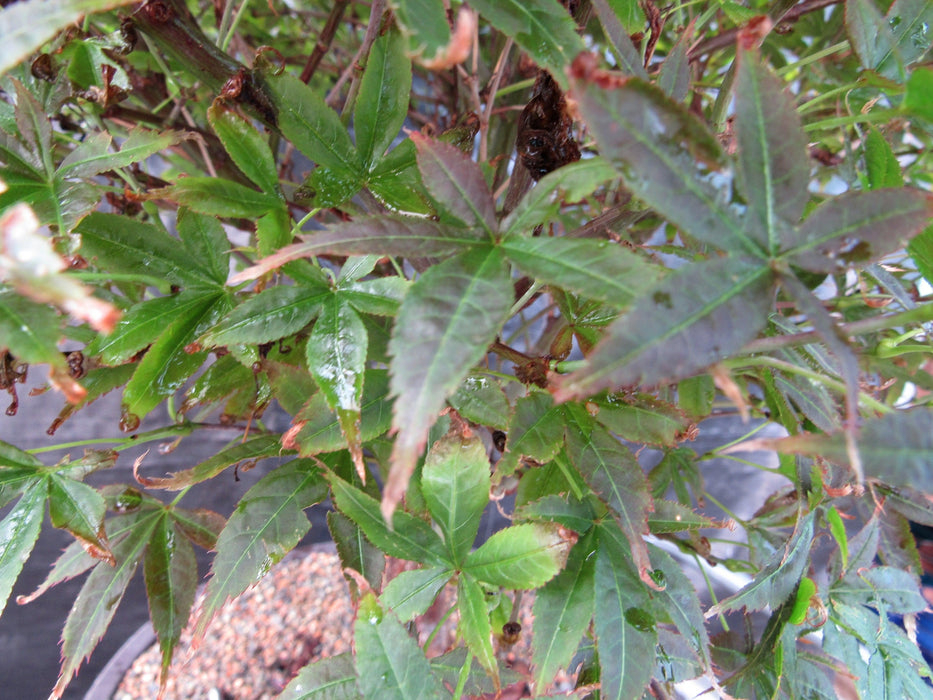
<point x="488" y="254"/>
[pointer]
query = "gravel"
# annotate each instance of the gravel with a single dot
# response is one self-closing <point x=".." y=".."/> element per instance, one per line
<point x="300" y="612"/>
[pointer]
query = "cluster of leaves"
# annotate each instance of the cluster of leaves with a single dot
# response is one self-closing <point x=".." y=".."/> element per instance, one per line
<point x="406" y="298"/>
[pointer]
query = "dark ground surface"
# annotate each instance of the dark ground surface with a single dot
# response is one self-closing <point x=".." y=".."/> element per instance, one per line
<point x="29" y="635"/>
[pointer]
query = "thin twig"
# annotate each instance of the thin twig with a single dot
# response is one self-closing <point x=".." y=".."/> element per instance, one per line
<point x="491" y="98"/>
<point x="324" y="40"/>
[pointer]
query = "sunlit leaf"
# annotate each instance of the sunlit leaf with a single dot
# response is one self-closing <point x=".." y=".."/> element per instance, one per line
<point x="311" y="125"/>
<point x="455" y="482"/>
<point x="474" y="624"/>
<point x="19" y="531"/>
<point x="30" y="330"/>
<point x="519" y="557"/>
<point x="449" y="318"/>
<point x="251" y="450"/>
<point x="267" y="524"/>
<point x="695" y="317"/>
<point x="411" y="593"/>
<point x="563" y="610"/>
<point x="389" y="663"/>
<point x="481" y="400"/>
<point x="248" y="149"/>
<point x="78" y="508"/>
<point x="386" y="83"/>
<point x="93" y="155"/>
<point x="881" y="164"/>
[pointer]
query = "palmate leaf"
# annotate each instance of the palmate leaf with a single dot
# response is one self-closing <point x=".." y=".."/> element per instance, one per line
<point x="356" y="552"/>
<point x="389" y="663"/>
<point x="779" y="577"/>
<point x="411" y="593"/>
<point x="333" y="678"/>
<point x="19" y="531"/>
<point x="80" y="509"/>
<point x="888" y="44"/>
<point x="519" y="557"/>
<point x="449" y="318"/>
<point x="773" y="164"/>
<point x="474" y="624"/>
<point x="30" y="330"/>
<point x="679" y="600"/>
<point x="425" y="24"/>
<point x="268" y="522"/>
<point x="881" y="221"/>
<point x="626" y="633"/>
<point x="382" y="235"/>
<point x="642" y="418"/>
<point x="386" y="82"/>
<point x="409" y="538"/>
<point x="218" y="197"/>
<point x="311" y="125"/>
<point x="92" y="156"/>
<point x="695" y="317"/>
<point x="536" y="431"/>
<point x="481" y="400"/>
<point x="456" y="183"/>
<point x="598" y="270"/>
<point x="563" y="609"/>
<point x="455" y="483"/>
<point x="171" y="573"/>
<point x="246" y="147"/>
<point x="614" y="475"/>
<point x="167" y="364"/>
<point x="895" y="448"/>
<point x="543" y="28"/>
<point x="336" y="357"/>
<point x="97" y="602"/>
<point x="655" y="143"/>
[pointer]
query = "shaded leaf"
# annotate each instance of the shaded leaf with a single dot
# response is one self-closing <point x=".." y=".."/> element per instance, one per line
<point x="383" y="235"/>
<point x="389" y="662"/>
<point x="614" y="475"/>
<point x="386" y="83"/>
<point x="73" y="561"/>
<point x="311" y="125"/>
<point x="332" y="678"/>
<point x="536" y="431"/>
<point x="881" y="164"/>
<point x="171" y="573"/>
<point x="246" y="147"/>
<point x="626" y="633"/>
<point x="199" y="525"/>
<point x="671" y="516"/>
<point x="206" y="242"/>
<point x="674" y="76"/>
<point x="30" y="330"/>
<point x="695" y="317"/>
<point x="481" y="400"/>
<point x="380" y="296"/>
<point x="544" y="29"/>
<point x="519" y="557"/>
<point x="474" y="624"/>
<point x="455" y="182"/>
<point x="895" y="590"/>
<point x="780" y="575"/>
<point x="268" y="522"/>
<point x="563" y="609"/>
<point x="880" y="220"/>
<point x="642" y="418"/>
<point x="411" y="593"/>
<point x="318" y="429"/>
<point x="655" y="144"/>
<point x="355" y="551"/>
<point x="253" y="449"/>
<point x="80" y="509"/>
<point x="571" y="182"/>
<point x="455" y="483"/>
<point x="97" y="602"/>
<point x="598" y="270"/>
<point x="679" y="600"/>
<point x="449" y="318"/>
<point x="425" y="24"/>
<point x="570" y="512"/>
<point x="773" y="163"/>
<point x="409" y="538"/>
